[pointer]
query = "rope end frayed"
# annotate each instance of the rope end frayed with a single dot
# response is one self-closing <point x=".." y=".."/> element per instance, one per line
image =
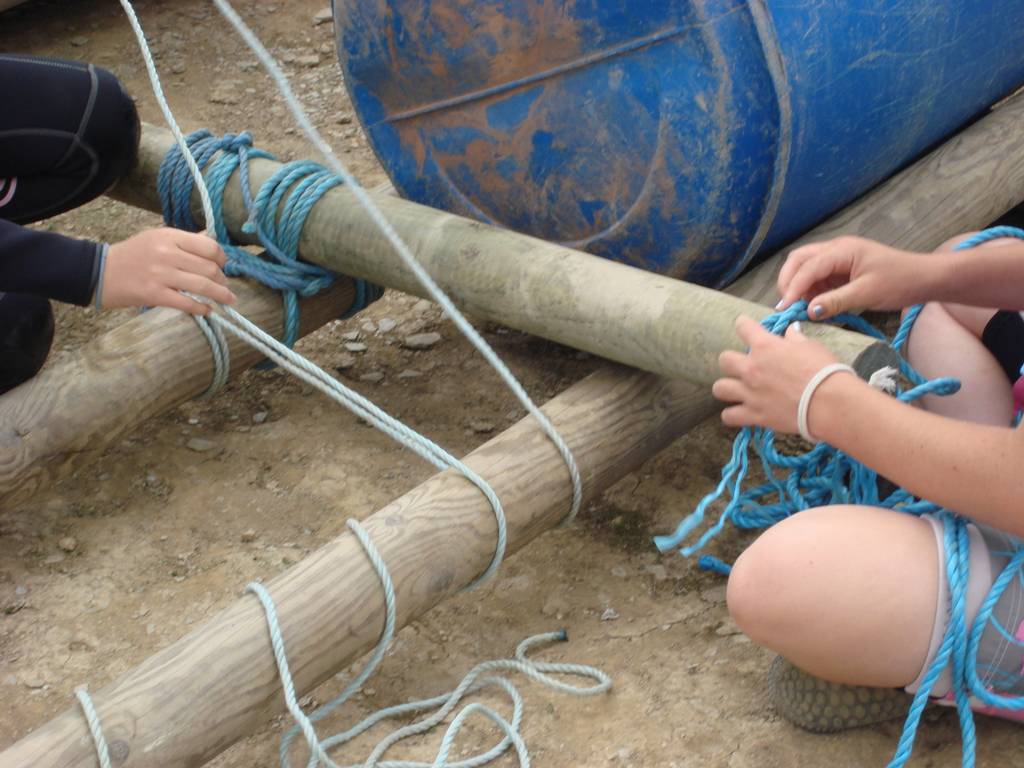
<point x="885" y="379"/>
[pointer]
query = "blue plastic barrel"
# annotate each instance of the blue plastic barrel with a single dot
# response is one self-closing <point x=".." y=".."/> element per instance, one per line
<point x="680" y="136"/>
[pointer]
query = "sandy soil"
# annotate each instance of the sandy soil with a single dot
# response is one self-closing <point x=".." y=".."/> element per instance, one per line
<point x="164" y="536"/>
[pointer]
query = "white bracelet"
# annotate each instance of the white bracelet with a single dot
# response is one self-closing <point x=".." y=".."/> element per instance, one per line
<point x="809" y="390"/>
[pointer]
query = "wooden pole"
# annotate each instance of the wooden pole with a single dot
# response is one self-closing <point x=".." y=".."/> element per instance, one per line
<point x="621" y="313"/>
<point x="670" y="326"/>
<point x="64" y="418"/>
<point x="195" y="698"/>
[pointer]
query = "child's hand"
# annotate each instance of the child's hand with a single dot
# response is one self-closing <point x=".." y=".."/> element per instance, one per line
<point x="853" y="273"/>
<point x="765" y="385"/>
<point x="153" y="267"/>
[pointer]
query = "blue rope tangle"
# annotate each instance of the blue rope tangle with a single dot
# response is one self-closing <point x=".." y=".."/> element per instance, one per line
<point x="824" y="476"/>
<point x="277" y="215"/>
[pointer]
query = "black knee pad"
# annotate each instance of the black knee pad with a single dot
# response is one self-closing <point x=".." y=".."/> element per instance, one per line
<point x="112" y="131"/>
<point x="26" y="334"/>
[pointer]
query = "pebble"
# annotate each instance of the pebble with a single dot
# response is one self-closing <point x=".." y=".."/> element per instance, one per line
<point x="727" y="629"/>
<point x="375" y="377"/>
<point x="355" y="346"/>
<point x="79" y="41"/>
<point x="422" y="305"/>
<point x="34" y="681"/>
<point x="178" y="68"/>
<point x="483" y="427"/>
<point x="409" y="374"/>
<point x="54" y="559"/>
<point x="309" y="61"/>
<point x="68" y="544"/>
<point x="20" y="591"/>
<point x="344" y="362"/>
<point x="200" y="445"/>
<point x="369" y="326"/>
<point x="259" y="417"/>
<point x="386" y="325"/>
<point x="421" y="340"/>
<point x="610" y="614"/>
<point x="323" y="16"/>
<point x="248" y="536"/>
<point x="226" y="92"/>
<point x="350" y="335"/>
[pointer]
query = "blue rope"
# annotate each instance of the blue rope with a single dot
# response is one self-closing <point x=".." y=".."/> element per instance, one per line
<point x="277" y="215"/>
<point x="824" y="476"/>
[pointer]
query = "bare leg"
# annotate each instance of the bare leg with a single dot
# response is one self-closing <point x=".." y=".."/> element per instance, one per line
<point x="946" y="341"/>
<point x="846" y="593"/>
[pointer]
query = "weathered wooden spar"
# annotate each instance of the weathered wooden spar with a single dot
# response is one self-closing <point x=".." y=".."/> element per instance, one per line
<point x="620" y="313"/>
<point x="192" y="700"/>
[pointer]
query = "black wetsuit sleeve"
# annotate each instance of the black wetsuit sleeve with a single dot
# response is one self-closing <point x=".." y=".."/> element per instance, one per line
<point x="48" y="264"/>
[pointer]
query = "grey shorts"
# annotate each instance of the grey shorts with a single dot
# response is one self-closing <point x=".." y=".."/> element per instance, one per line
<point x="1000" y="661"/>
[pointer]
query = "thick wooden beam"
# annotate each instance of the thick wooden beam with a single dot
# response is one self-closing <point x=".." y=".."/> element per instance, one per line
<point x="198" y="696"/>
<point x="68" y="415"/>
<point x="621" y="313"/>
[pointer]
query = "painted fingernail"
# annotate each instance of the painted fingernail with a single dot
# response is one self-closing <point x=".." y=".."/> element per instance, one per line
<point x="817" y="310"/>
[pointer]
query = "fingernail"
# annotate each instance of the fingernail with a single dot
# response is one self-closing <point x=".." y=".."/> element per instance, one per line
<point x="781" y="304"/>
<point x="817" y="310"/>
<point x="796" y="327"/>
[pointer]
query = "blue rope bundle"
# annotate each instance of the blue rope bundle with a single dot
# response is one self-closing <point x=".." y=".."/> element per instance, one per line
<point x="824" y="476"/>
<point x="277" y="215"/>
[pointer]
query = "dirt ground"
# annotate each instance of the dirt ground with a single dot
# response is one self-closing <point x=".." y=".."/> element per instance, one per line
<point x="119" y="561"/>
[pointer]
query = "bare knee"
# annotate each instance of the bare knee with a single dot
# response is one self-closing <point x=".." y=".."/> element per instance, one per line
<point x="757" y="592"/>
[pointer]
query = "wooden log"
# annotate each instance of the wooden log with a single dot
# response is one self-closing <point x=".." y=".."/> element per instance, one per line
<point x="68" y="415"/>
<point x="41" y="440"/>
<point x="621" y="313"/>
<point x="195" y="698"/>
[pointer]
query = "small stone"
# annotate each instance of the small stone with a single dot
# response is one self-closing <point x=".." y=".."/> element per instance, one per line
<point x="79" y="41"/>
<point x="226" y="92"/>
<point x="623" y="755"/>
<point x="386" y="325"/>
<point x="482" y="427"/>
<point x="323" y="16"/>
<point x="369" y="326"/>
<point x="193" y="421"/>
<point x="20" y="591"/>
<point x="260" y="417"/>
<point x="619" y="572"/>
<point x="54" y="559"/>
<point x="344" y="119"/>
<point x="423" y="305"/>
<point x="610" y="614"/>
<point x="326" y="49"/>
<point x="409" y="374"/>
<point x="309" y="61"/>
<point x="344" y="362"/>
<point x="421" y="340"/>
<point x="178" y="68"/>
<point x="350" y="336"/>
<point x="32" y="680"/>
<point x="727" y="629"/>
<point x="375" y="377"/>
<point x="200" y="445"/>
<point x="152" y="479"/>
<point x="68" y="544"/>
<point x="355" y="346"/>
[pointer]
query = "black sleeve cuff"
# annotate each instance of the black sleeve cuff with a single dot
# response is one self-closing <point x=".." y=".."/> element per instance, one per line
<point x="47" y="264"/>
